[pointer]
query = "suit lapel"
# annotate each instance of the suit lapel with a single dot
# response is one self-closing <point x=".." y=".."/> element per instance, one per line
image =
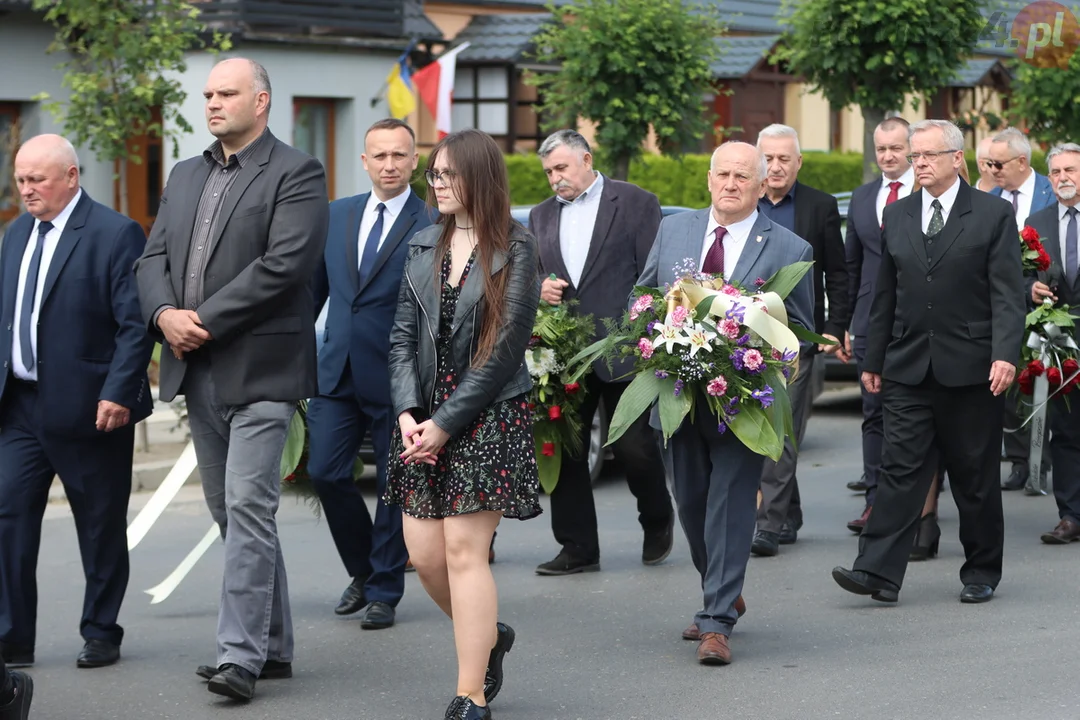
<point x="352" y="239"/>
<point x="68" y="240"/>
<point x="190" y="191"/>
<point x="548" y="235"/>
<point x="251" y="170"/>
<point x="954" y="225"/>
<point x="913" y="228"/>
<point x="405" y="220"/>
<point x="755" y="243"/>
<point x="605" y="216"/>
<point x="17" y="238"/>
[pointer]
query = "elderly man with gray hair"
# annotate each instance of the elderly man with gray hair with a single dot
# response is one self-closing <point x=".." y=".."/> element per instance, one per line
<point x="595" y="234"/>
<point x="1057" y="225"/>
<point x="944" y="339"/>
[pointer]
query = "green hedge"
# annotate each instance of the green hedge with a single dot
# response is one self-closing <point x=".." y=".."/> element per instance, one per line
<point x="683" y="182"/>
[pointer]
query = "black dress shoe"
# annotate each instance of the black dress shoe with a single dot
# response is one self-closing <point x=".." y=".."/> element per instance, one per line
<point x="17" y="656"/>
<point x="863" y="583"/>
<point x="788" y="534"/>
<point x="566" y="564"/>
<point x="493" y="679"/>
<point x="377" y="616"/>
<point x="352" y="600"/>
<point x="658" y="544"/>
<point x="976" y="593"/>
<point x="272" y="670"/>
<point x="234" y="682"/>
<point x="98" y="653"/>
<point x="1017" y="478"/>
<point x="926" y="538"/>
<point x="18" y="707"/>
<point x="463" y="708"/>
<point x="766" y="544"/>
<point x="858" y="485"/>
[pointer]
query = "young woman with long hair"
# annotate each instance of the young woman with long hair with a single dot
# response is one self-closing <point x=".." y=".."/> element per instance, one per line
<point x="463" y="455"/>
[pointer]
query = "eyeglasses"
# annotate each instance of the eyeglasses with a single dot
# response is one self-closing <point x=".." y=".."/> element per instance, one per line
<point x="446" y="178"/>
<point x="930" y="156"/>
<point x="997" y="165"/>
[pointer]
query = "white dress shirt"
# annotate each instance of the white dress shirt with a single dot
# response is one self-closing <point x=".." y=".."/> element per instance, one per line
<point x="1023" y="202"/>
<point x="734" y="241"/>
<point x="907" y="181"/>
<point x="577" y="220"/>
<point x="947" y="199"/>
<point x="394" y="206"/>
<point x="52" y="239"/>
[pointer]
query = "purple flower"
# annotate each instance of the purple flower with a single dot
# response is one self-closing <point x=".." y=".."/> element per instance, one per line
<point x="736" y="312"/>
<point x="787" y="372"/>
<point x="789" y="356"/>
<point x="764" y="396"/>
<point x="649" y="327"/>
<point x="759" y="282"/>
<point x="744" y="340"/>
<point x="737" y="359"/>
<point x="730" y="409"/>
<point x="678" y="387"/>
<point x="661" y="374"/>
<point x="722" y="427"/>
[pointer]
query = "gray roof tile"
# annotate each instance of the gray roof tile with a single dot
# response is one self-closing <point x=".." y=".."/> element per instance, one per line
<point x="739" y="55"/>
<point x="499" y="38"/>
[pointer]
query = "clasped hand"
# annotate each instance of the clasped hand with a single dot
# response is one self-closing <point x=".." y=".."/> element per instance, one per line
<point x="842" y="351"/>
<point x="183" y="330"/>
<point x="423" y="441"/>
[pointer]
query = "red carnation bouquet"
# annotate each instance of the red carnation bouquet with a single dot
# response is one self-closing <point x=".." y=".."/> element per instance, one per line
<point x="1034" y="255"/>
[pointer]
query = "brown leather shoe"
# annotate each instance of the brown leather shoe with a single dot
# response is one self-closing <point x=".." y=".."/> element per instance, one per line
<point x="713" y="649"/>
<point x="692" y="632"/>
<point x="856" y="526"/>
<point x="1066" y="532"/>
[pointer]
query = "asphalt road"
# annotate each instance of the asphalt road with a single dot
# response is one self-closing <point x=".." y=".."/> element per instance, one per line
<point x="606" y="645"/>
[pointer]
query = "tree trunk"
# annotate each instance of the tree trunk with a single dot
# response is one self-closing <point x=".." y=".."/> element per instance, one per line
<point x="621" y="170"/>
<point x="872" y="117"/>
<point x="123" y="180"/>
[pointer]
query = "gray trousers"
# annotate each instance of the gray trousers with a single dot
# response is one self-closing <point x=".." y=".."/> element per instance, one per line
<point x="239" y="453"/>
<point x="779" y="488"/>
<point x="715" y="479"/>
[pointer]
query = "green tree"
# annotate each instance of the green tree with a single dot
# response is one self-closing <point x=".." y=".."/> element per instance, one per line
<point x="628" y="66"/>
<point x="124" y="59"/>
<point x="1045" y="100"/>
<point x="875" y="53"/>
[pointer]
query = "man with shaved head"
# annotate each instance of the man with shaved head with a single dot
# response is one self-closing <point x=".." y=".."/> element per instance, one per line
<point x="224" y="286"/>
<point x="74" y="384"/>
<point x="716" y="477"/>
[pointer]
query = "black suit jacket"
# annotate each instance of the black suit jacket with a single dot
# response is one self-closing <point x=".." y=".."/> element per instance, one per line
<point x="863" y="247"/>
<point x="626" y="225"/>
<point x="817" y="221"/>
<point x="957" y="314"/>
<point x="1047" y="223"/>
<point x="91" y="342"/>
<point x="258" y="305"/>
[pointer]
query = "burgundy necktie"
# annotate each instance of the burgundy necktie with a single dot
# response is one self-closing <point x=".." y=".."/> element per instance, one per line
<point x="714" y="259"/>
<point x="894" y="194"/>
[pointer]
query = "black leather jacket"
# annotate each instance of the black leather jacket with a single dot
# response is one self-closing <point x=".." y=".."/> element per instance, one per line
<point x="413" y="360"/>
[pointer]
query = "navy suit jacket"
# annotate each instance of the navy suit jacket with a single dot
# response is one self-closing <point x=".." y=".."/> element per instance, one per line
<point x="91" y="340"/>
<point x="1044" y="196"/>
<point x="359" y="319"/>
<point x="863" y="247"/>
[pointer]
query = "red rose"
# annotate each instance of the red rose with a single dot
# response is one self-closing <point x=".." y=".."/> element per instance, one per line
<point x="1069" y="387"/>
<point x="1032" y="244"/>
<point x="1054" y="376"/>
<point x="1036" y="368"/>
<point x="548" y="449"/>
<point x="571" y="388"/>
<point x="1069" y="368"/>
<point x="1029" y="233"/>
<point x="532" y="406"/>
<point x="554" y="412"/>
<point x="1026" y="381"/>
<point x="1042" y="262"/>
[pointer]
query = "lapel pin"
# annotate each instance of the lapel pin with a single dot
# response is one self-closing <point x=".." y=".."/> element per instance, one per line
<point x="757" y="239"/>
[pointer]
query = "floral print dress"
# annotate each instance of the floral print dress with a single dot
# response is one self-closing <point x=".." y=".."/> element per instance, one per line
<point x="491" y="466"/>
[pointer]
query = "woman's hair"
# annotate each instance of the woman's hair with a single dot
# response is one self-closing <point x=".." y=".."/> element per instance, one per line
<point x="481" y="185"/>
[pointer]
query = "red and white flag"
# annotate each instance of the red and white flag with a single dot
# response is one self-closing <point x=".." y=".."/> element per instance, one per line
<point x="435" y="84"/>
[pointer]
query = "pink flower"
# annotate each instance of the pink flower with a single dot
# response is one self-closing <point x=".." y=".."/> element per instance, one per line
<point x="776" y="354"/>
<point x="645" y="347"/>
<point x="678" y="316"/>
<point x="731" y="290"/>
<point x="753" y="360"/>
<point x="717" y="386"/>
<point x="730" y="328"/>
<point x="642" y="304"/>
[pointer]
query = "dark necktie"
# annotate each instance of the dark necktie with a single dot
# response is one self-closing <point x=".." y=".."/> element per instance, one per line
<point x="1016" y="201"/>
<point x="714" y="259"/>
<point x="936" y="220"/>
<point x="29" y="295"/>
<point x="894" y="194"/>
<point x="1070" y="247"/>
<point x="371" y="247"/>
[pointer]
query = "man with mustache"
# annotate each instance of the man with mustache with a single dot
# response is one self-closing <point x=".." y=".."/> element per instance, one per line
<point x="595" y="235"/>
<point x="1057" y="226"/>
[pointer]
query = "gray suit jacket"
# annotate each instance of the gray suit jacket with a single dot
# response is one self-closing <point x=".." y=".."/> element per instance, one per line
<point x="682" y="236"/>
<point x="625" y="228"/>
<point x="267" y="244"/>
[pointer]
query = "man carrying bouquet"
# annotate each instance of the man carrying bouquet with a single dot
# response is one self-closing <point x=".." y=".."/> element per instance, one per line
<point x="594" y="236"/>
<point x="1057" y="226"/>
<point x="716" y="476"/>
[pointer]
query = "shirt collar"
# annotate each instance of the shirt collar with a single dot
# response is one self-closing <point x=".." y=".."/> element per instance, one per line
<point x="1027" y="188"/>
<point x="947" y="198"/>
<point x="591" y="193"/>
<point x="789" y="195"/>
<point x="907" y="180"/>
<point x="215" y="153"/>
<point x="394" y="205"/>
<point x="1063" y="209"/>
<point x="60" y="221"/>
<point x="737" y="231"/>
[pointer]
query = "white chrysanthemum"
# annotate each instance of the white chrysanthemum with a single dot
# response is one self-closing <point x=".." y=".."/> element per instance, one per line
<point x="541" y="361"/>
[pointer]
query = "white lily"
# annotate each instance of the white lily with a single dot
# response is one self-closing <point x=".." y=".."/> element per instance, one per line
<point x="700" y="339"/>
<point x="670" y="336"/>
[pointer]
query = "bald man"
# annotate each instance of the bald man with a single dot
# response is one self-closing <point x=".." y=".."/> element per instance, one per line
<point x="75" y="354"/>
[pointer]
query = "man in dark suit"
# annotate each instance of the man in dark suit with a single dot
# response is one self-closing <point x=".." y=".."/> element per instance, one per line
<point x="715" y="476"/>
<point x="864" y="246"/>
<point x="225" y="285"/>
<point x="813" y="216"/>
<point x="1029" y="192"/>
<point x="16" y="693"/>
<point x="595" y="234"/>
<point x="944" y="325"/>
<point x="361" y="274"/>
<point x="1057" y="226"/>
<point x="74" y="385"/>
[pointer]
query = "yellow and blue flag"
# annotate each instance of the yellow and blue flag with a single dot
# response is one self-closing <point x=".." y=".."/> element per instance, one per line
<point x="399" y="88"/>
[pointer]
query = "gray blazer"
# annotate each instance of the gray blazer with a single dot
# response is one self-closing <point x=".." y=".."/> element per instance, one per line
<point x="267" y="244"/>
<point x="682" y="236"/>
